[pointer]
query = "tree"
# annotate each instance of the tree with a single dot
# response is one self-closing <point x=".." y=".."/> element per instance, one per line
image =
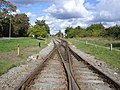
<point x="37" y="31"/>
<point x="5" y="9"/>
<point x="74" y="32"/>
<point x="20" y="25"/>
<point x="59" y="34"/>
<point x="67" y="32"/>
<point x="43" y="24"/>
<point x="41" y="29"/>
<point x="78" y="28"/>
<point x="113" y="32"/>
<point x="80" y="32"/>
<point x="95" y="30"/>
<point x="40" y="23"/>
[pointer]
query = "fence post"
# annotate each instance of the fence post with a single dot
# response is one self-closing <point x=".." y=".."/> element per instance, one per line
<point x="111" y="47"/>
<point x="18" y="47"/>
<point x="39" y="44"/>
<point x="86" y="42"/>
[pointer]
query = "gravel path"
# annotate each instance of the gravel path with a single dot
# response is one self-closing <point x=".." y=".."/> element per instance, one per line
<point x="101" y="65"/>
<point x="13" y="77"/>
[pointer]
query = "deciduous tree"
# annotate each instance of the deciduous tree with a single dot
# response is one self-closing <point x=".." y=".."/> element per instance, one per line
<point x="20" y="25"/>
<point x="41" y="29"/>
<point x="5" y="9"/>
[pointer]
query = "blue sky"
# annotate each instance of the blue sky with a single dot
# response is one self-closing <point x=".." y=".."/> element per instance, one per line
<point x="62" y="13"/>
<point x="36" y="10"/>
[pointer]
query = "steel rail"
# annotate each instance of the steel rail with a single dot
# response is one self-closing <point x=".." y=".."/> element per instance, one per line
<point x="76" y="86"/>
<point x="25" y="82"/>
<point x="109" y="79"/>
<point x="72" y="82"/>
<point x="29" y="77"/>
<point x="64" y="65"/>
<point x="102" y="74"/>
<point x="67" y="70"/>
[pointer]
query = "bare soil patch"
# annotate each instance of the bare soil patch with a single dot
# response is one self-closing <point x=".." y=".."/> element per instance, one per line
<point x="24" y="53"/>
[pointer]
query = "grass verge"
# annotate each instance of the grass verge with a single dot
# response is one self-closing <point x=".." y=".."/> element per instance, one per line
<point x="110" y="57"/>
<point x="8" y="51"/>
<point x="102" y="41"/>
<point x="8" y="45"/>
<point x="5" y="65"/>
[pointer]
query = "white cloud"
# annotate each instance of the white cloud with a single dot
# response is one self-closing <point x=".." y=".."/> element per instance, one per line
<point x="27" y="2"/>
<point x="64" y="13"/>
<point x="17" y="12"/>
<point x="65" y="9"/>
<point x="29" y="14"/>
<point x="88" y="5"/>
<point x="67" y="13"/>
<point x="40" y="18"/>
<point x="60" y="24"/>
<point x="107" y="10"/>
<point x="32" y="23"/>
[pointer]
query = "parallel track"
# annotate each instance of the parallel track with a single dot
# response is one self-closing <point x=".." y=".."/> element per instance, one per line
<point x="86" y="76"/>
<point x="108" y="81"/>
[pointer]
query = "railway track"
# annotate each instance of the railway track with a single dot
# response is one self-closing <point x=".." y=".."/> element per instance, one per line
<point x="49" y="75"/>
<point x="90" y="77"/>
<point x="52" y="76"/>
<point x="86" y="77"/>
<point x="63" y="69"/>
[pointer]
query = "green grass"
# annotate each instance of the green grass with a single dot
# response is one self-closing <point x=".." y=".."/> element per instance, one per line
<point x="11" y="46"/>
<point x="102" y="41"/>
<point x="5" y="65"/>
<point x="111" y="57"/>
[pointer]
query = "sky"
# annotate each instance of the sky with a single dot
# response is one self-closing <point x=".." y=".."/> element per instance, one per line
<point x="60" y="14"/>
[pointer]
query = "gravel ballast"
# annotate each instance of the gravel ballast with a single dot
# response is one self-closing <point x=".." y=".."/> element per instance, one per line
<point x="99" y="64"/>
<point x="13" y="77"/>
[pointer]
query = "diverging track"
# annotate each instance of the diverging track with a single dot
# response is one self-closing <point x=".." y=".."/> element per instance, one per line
<point x="63" y="69"/>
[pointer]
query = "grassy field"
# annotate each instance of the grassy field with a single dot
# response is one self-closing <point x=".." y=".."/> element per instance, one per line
<point x="8" y="51"/>
<point x="8" y="45"/>
<point x="111" y="57"/>
<point x="102" y="41"/>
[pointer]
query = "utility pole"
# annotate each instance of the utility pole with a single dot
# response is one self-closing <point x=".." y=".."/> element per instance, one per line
<point x="10" y="28"/>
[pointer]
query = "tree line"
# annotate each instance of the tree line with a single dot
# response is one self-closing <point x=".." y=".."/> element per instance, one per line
<point x="18" y="25"/>
<point x="94" y="30"/>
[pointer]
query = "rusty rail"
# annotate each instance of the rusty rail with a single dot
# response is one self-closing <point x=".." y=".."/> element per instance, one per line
<point x="72" y="83"/>
<point x="109" y="79"/>
<point x="28" y="78"/>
